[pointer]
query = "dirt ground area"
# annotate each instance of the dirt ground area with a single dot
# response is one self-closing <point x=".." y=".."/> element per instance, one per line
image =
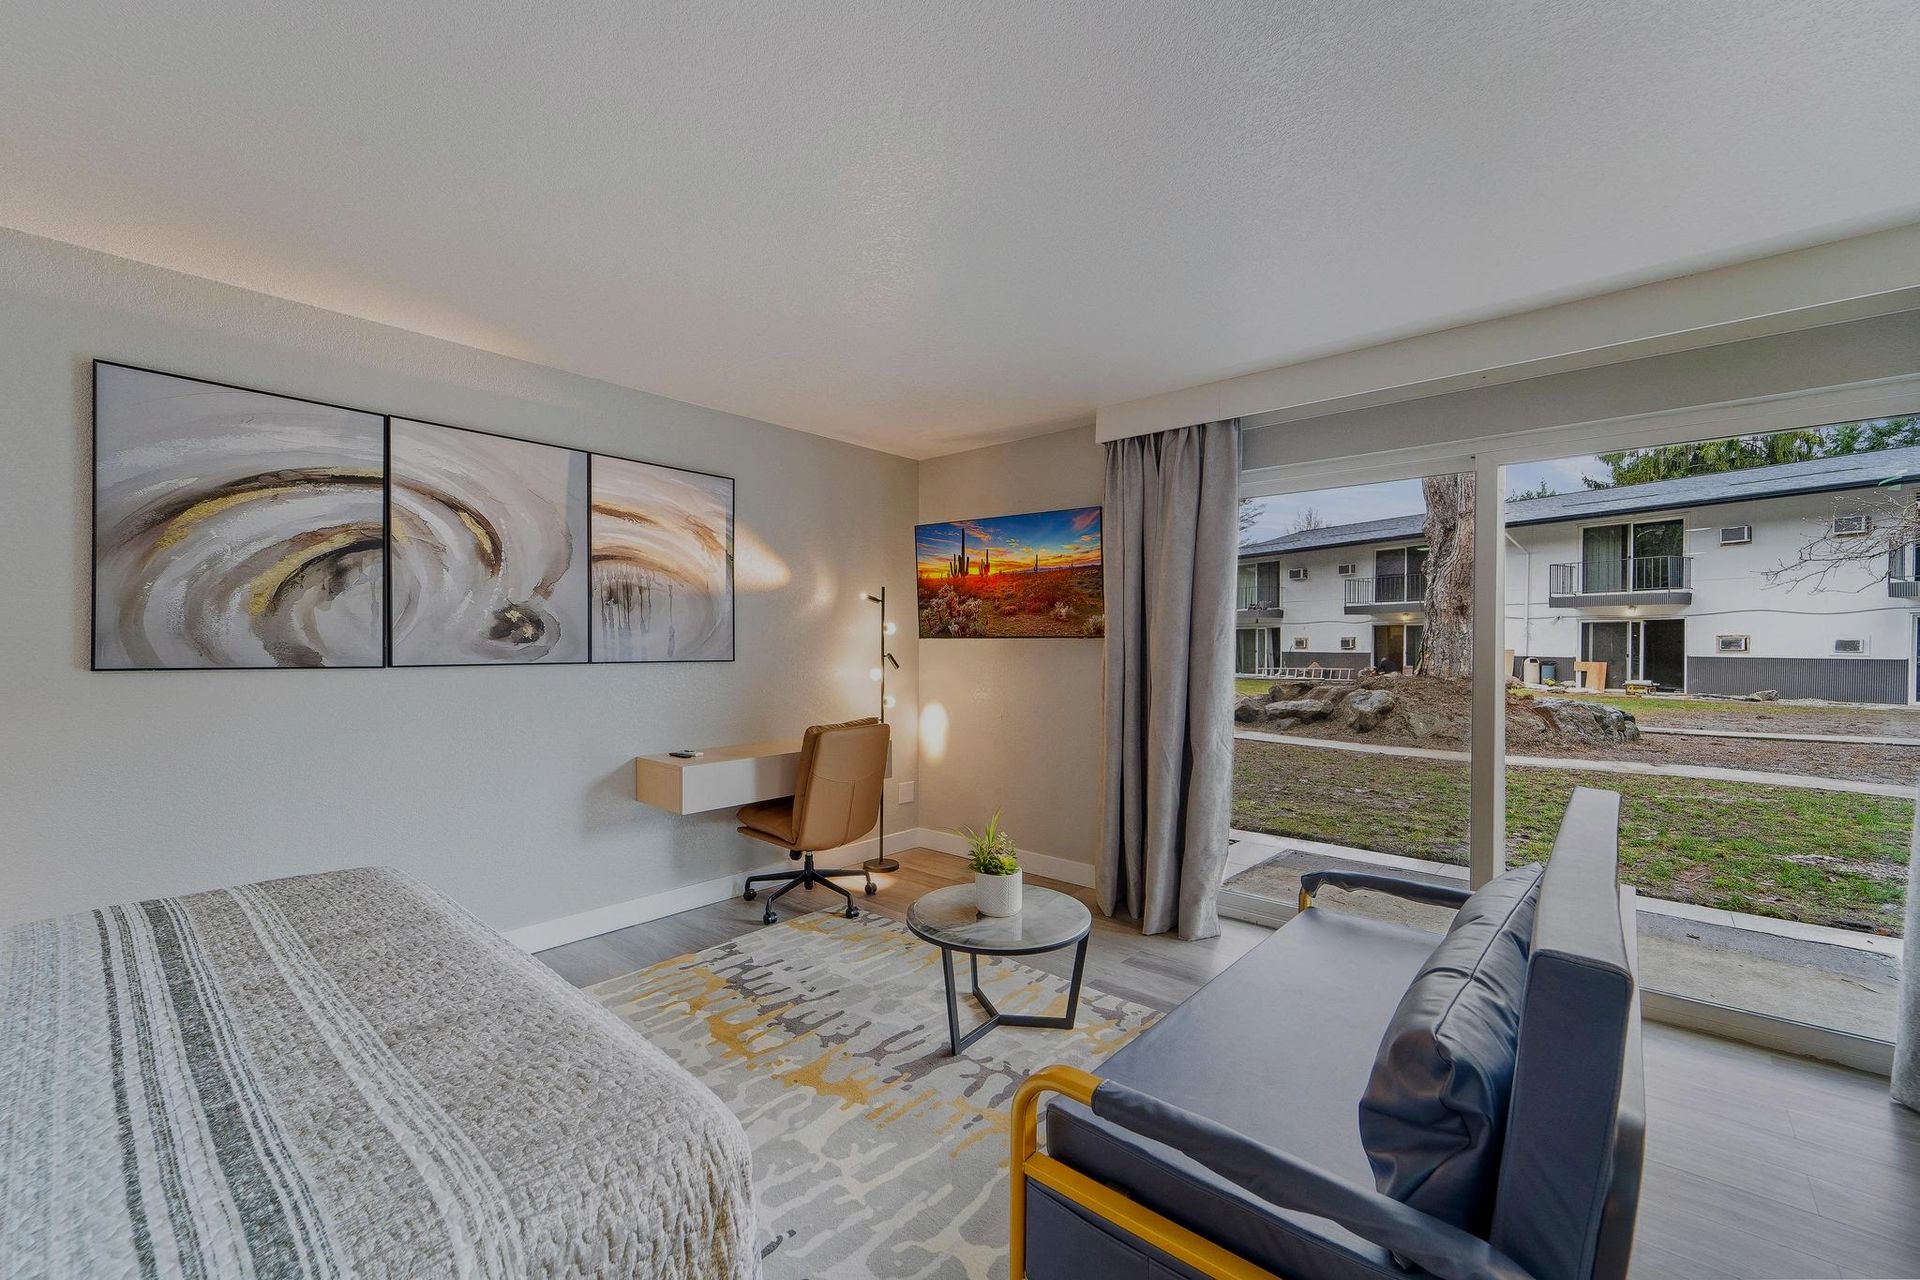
<point x="1770" y="717"/>
<point x="1437" y="713"/>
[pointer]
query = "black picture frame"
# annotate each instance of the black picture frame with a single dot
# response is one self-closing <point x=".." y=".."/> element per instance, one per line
<point x="386" y="504"/>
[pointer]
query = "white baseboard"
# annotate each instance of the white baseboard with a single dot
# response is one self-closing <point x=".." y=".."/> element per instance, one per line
<point x="1065" y="870"/>
<point x="667" y="902"/>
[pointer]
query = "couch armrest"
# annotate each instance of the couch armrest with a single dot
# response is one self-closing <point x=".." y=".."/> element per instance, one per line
<point x="1440" y="895"/>
<point x="1280" y="1179"/>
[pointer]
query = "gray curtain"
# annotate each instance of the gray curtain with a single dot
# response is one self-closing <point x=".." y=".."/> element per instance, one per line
<point x="1169" y="541"/>
<point x="1906" y="1047"/>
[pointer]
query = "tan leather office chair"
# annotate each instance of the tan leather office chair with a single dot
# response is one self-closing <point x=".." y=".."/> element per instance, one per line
<point x="835" y="801"/>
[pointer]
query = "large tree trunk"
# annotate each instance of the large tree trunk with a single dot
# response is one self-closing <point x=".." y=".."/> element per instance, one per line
<point x="1449" y="594"/>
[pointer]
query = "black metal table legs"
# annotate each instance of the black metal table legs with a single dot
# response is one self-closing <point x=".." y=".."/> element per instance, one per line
<point x="995" y="1018"/>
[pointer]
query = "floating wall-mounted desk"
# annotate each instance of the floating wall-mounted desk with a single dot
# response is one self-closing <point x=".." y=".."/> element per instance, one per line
<point x="718" y="778"/>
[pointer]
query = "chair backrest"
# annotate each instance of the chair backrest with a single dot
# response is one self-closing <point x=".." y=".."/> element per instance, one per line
<point x="836" y="795"/>
<point x="1570" y="1162"/>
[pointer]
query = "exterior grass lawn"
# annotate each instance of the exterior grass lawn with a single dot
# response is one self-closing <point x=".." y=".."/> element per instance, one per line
<point x="1823" y="857"/>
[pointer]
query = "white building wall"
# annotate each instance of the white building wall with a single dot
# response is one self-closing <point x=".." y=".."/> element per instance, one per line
<point x="1791" y="626"/>
<point x="1316" y="609"/>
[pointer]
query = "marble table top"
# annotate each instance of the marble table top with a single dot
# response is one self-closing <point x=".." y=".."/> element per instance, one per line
<point x="1047" y="920"/>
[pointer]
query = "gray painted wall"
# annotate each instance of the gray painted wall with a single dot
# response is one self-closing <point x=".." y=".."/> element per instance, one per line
<point x="1840" y="679"/>
<point x="510" y="788"/>
<point x="1014" y="725"/>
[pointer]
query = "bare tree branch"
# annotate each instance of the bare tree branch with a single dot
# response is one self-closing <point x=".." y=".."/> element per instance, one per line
<point x="1893" y="526"/>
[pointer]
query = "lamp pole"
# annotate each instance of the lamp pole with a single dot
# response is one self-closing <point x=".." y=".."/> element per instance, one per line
<point x="880" y="861"/>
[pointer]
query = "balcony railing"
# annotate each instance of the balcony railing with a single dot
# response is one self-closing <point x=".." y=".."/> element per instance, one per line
<point x="1387" y="589"/>
<point x="1621" y="577"/>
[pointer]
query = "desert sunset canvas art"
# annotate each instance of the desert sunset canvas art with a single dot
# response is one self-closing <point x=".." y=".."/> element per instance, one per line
<point x="1033" y="575"/>
<point x="233" y="528"/>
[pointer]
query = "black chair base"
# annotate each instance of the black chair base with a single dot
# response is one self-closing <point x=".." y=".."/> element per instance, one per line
<point x="805" y="878"/>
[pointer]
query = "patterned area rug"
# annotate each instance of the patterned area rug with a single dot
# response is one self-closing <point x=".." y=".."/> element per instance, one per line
<point x="876" y="1152"/>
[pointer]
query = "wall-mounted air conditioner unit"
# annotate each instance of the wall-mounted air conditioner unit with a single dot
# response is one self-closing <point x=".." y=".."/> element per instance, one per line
<point x="1849" y="526"/>
<point x="1345" y="570"/>
<point x="1349" y="643"/>
<point x="1296" y="575"/>
<point x="1299" y="642"/>
<point x="1731" y="644"/>
<point x="1852" y="648"/>
<point x="1734" y="535"/>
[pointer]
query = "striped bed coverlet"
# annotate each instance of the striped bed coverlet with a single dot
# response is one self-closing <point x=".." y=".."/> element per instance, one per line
<point x="342" y="1074"/>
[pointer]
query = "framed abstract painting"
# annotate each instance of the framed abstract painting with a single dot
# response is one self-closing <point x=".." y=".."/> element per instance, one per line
<point x="488" y="538"/>
<point x="662" y="547"/>
<point x="233" y="528"/>
<point x="1011" y="577"/>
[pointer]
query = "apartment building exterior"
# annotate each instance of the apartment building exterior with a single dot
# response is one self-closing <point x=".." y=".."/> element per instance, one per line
<point x="1666" y="583"/>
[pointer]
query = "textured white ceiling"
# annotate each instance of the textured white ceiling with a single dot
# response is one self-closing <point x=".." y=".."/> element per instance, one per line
<point x="923" y="226"/>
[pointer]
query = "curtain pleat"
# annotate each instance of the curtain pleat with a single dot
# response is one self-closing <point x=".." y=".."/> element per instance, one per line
<point x="1170" y="539"/>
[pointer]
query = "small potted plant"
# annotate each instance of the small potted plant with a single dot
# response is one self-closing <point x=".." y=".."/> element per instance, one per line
<point x="996" y="869"/>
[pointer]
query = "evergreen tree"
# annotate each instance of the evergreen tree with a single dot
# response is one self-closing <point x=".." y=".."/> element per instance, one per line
<point x="1709" y="457"/>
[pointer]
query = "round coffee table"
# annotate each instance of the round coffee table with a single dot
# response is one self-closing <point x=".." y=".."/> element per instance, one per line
<point x="1047" y="921"/>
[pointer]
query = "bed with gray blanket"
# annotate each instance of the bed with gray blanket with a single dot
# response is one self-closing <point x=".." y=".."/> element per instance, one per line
<point x="341" y="1074"/>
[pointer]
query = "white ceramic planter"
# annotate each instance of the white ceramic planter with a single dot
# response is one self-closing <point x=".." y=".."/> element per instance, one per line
<point x="997" y="895"/>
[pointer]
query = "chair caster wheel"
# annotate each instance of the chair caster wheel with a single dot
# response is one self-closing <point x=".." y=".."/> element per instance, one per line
<point x="853" y="913"/>
<point x="872" y="888"/>
<point x="769" y="918"/>
<point x="749" y="896"/>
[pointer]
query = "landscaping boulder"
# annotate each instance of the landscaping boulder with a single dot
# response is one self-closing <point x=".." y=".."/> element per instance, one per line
<point x="1298" y="709"/>
<point x="1581" y="721"/>
<point x="1248" y="710"/>
<point x="1364" y="707"/>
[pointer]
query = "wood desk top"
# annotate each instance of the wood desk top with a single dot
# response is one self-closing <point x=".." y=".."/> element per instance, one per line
<point x="723" y="777"/>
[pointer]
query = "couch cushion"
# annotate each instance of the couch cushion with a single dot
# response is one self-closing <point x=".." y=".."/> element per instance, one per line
<point x="1435" y="1105"/>
<point x="1274" y="1047"/>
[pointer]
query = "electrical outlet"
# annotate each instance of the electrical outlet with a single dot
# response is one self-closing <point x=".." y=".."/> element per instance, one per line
<point x="906" y="792"/>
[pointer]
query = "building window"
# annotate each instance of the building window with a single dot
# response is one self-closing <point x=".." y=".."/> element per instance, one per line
<point x="1638" y="555"/>
<point x="1400" y="575"/>
<point x="1260" y="585"/>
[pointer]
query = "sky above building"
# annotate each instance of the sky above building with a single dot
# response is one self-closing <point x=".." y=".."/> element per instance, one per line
<point x="1288" y="512"/>
<point x="1063" y="539"/>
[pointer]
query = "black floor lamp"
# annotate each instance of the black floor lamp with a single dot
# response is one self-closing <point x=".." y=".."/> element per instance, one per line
<point x="880" y="861"/>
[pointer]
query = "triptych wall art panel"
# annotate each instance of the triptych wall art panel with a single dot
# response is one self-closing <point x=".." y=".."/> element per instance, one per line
<point x="662" y="564"/>
<point x="489" y="548"/>
<point x="236" y="528"/>
<point x="233" y="528"/>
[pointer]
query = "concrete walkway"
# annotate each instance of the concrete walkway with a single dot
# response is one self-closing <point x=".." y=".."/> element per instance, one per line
<point x="1805" y="973"/>
<point x="1707" y="772"/>
<point x="1856" y="739"/>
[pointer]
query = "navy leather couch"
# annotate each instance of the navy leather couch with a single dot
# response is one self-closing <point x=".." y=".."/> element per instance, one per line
<point x="1230" y="1138"/>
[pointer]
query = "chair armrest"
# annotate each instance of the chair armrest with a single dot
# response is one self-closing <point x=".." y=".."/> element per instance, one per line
<point x="1291" y="1183"/>
<point x="1440" y="895"/>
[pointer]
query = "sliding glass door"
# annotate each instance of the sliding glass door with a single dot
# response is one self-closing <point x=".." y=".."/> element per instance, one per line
<point x="1355" y="753"/>
<point x="1731" y="645"/>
